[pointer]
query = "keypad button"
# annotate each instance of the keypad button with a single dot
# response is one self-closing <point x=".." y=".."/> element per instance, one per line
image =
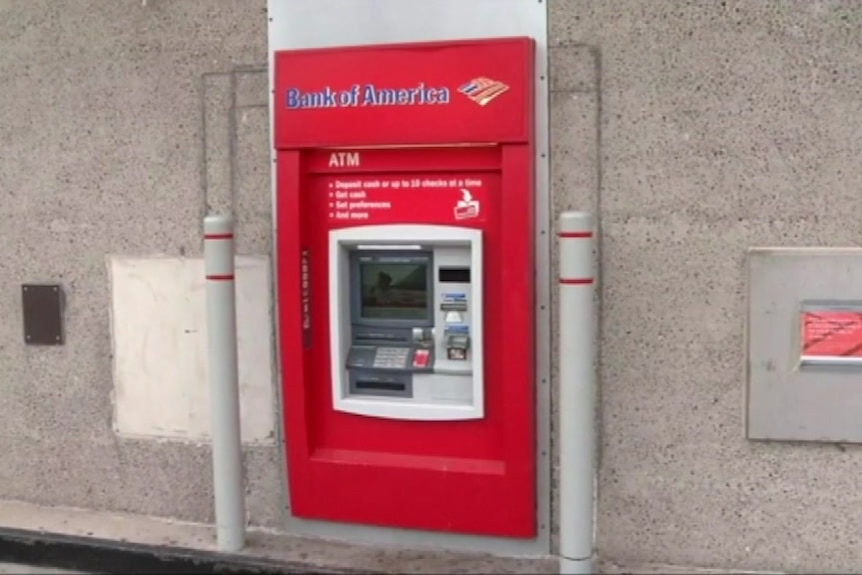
<point x="391" y="357"/>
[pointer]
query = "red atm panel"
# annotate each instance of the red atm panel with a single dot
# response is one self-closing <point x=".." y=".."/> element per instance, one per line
<point x="437" y="134"/>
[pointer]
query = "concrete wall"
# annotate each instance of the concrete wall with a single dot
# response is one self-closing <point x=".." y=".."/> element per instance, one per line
<point x="697" y="129"/>
<point x="120" y="122"/>
<point x="724" y="125"/>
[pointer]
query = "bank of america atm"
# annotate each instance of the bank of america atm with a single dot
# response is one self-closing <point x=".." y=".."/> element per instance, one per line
<point x="405" y="266"/>
<point x="405" y="327"/>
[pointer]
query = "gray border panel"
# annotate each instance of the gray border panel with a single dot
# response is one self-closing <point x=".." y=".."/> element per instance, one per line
<point x="787" y="400"/>
<point x="296" y="24"/>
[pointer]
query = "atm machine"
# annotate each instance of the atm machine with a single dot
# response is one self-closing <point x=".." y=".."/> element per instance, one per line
<point x="405" y="321"/>
<point x="405" y="235"/>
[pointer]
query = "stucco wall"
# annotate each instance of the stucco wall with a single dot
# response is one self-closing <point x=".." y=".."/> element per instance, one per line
<point x="724" y="125"/>
<point x="104" y="153"/>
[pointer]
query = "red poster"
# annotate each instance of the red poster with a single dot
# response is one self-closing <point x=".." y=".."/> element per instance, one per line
<point x="381" y="199"/>
<point x="832" y="334"/>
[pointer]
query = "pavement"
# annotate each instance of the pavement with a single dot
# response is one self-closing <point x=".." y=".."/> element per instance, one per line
<point x="20" y="569"/>
<point x="89" y="541"/>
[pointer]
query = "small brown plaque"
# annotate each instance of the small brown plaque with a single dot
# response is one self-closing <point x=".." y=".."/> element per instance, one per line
<point x="43" y="314"/>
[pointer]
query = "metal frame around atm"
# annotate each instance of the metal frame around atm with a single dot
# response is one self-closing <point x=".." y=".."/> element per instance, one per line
<point x="339" y="297"/>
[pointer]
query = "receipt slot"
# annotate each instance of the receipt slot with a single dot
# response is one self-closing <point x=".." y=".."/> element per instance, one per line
<point x="405" y="279"/>
<point x="406" y="321"/>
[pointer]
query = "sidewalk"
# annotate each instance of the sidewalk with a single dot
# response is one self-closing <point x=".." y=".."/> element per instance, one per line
<point x="89" y="541"/>
<point x="19" y="569"/>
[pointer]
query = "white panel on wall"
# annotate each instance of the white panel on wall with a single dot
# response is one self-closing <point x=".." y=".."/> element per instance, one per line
<point x="158" y="322"/>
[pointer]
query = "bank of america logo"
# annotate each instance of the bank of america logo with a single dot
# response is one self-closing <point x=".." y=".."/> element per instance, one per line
<point x="483" y="90"/>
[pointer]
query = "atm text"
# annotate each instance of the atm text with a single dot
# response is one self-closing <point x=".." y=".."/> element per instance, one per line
<point x="367" y="95"/>
<point x="344" y="160"/>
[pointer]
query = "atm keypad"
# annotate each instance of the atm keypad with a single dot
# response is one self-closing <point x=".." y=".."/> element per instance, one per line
<point x="391" y="357"/>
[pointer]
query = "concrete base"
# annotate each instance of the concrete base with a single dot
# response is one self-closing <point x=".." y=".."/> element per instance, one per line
<point x="160" y="541"/>
<point x="610" y="568"/>
<point x="576" y="566"/>
<point x="83" y="541"/>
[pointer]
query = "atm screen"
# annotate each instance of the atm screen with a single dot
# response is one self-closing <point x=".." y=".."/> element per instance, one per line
<point x="393" y="289"/>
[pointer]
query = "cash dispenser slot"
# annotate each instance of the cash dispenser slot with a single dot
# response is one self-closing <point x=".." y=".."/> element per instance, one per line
<point x="380" y="385"/>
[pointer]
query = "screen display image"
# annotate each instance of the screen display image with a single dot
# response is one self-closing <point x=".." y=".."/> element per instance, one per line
<point x="394" y="290"/>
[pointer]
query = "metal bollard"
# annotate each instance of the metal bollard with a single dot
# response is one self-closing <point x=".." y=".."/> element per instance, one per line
<point x="577" y="349"/>
<point x="224" y="383"/>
